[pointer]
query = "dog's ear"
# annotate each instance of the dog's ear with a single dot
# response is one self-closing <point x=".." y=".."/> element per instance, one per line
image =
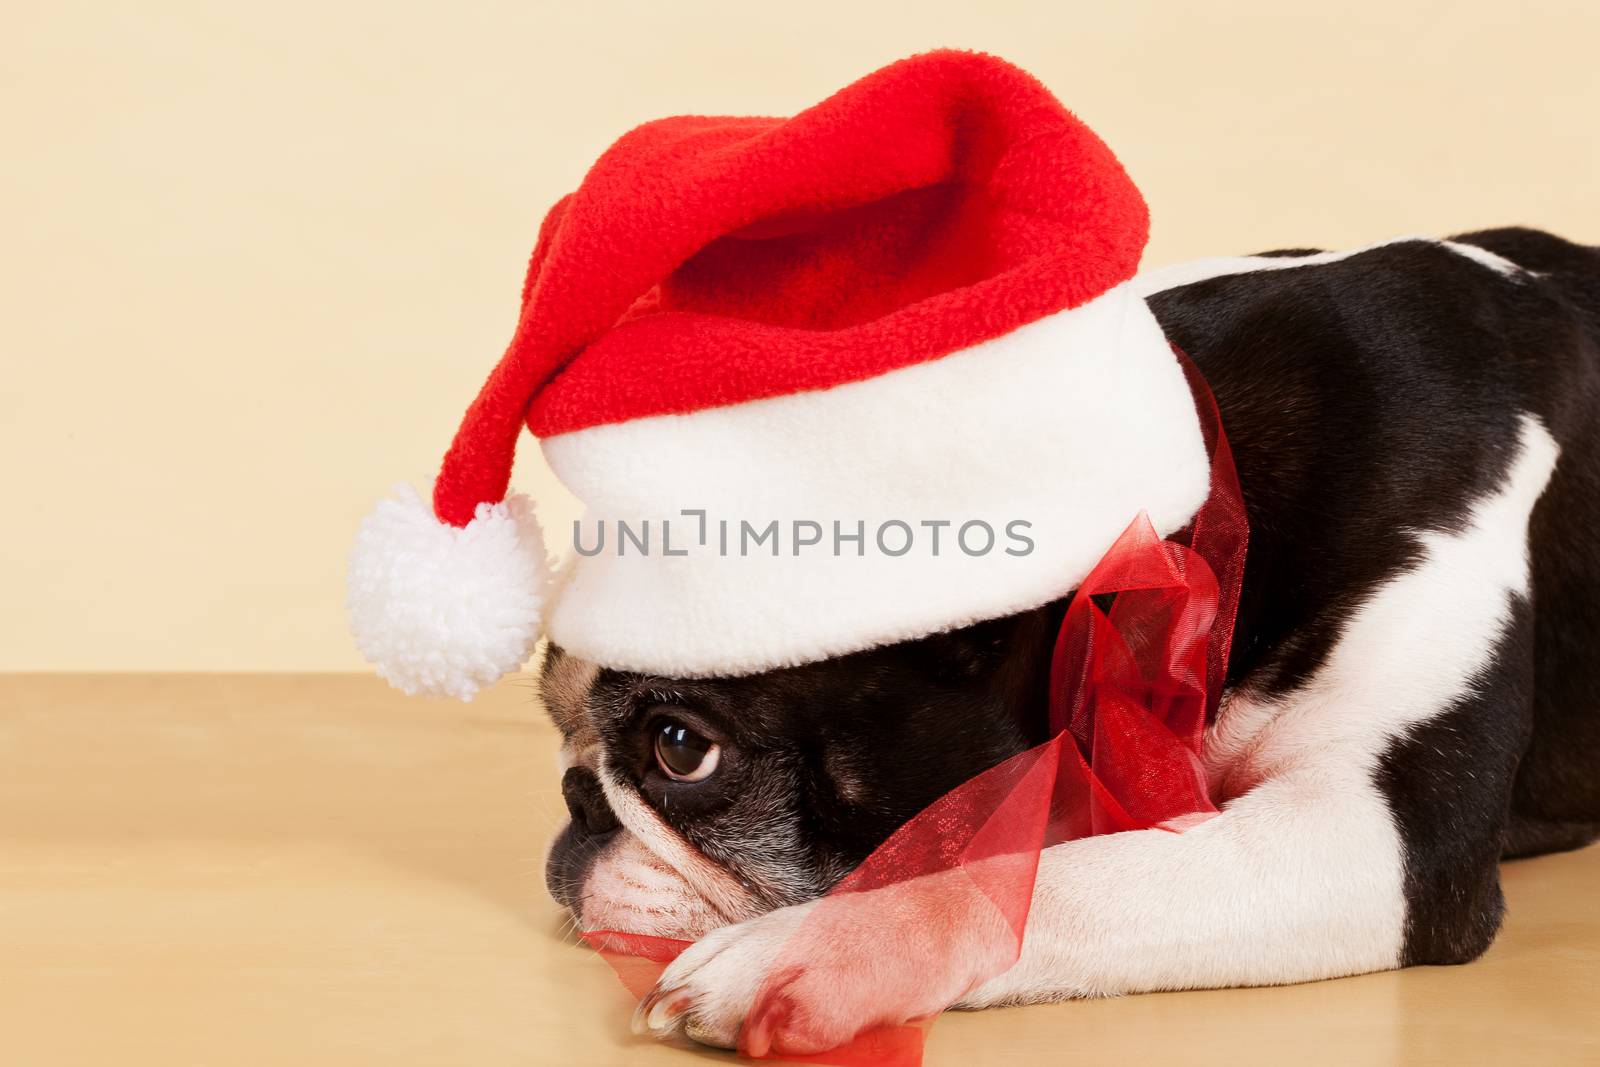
<point x="564" y="683"/>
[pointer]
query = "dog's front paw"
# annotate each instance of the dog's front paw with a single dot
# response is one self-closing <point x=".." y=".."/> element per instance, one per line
<point x="708" y="990"/>
<point x="826" y="971"/>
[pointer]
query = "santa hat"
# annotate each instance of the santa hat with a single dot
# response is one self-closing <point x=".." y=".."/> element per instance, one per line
<point x="795" y="369"/>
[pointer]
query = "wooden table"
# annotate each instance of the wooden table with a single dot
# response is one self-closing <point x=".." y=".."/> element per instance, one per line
<point x="309" y="870"/>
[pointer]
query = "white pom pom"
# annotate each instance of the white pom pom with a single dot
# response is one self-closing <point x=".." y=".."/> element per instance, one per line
<point x="444" y="610"/>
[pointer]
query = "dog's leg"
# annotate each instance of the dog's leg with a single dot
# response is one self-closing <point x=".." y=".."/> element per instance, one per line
<point x="1309" y="875"/>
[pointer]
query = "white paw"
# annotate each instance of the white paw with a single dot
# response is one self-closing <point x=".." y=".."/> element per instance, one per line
<point x="707" y="991"/>
<point x="867" y="959"/>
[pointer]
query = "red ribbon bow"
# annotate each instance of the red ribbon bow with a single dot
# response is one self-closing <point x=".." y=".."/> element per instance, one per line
<point x="1137" y="673"/>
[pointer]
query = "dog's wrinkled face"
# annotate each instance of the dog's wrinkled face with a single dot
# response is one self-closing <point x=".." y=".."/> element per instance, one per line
<point x="699" y="803"/>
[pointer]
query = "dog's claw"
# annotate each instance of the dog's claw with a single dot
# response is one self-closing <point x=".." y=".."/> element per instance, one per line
<point x="756" y="1039"/>
<point x="707" y="1034"/>
<point x="659" y="1012"/>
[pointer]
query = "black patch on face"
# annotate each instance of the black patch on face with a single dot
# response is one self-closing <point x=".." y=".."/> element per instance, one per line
<point x="819" y="764"/>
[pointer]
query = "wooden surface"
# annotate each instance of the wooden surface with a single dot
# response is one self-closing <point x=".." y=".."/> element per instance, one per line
<point x="312" y="870"/>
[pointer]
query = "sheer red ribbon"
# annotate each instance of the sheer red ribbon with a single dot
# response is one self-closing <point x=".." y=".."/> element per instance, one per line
<point x="1137" y="672"/>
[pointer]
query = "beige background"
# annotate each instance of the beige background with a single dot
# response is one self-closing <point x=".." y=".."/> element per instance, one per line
<point x="257" y="257"/>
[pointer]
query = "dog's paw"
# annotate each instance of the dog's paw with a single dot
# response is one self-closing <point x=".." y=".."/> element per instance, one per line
<point x="708" y="990"/>
<point x="873" y="959"/>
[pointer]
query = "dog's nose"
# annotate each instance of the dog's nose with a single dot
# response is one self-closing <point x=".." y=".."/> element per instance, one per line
<point x="587" y="802"/>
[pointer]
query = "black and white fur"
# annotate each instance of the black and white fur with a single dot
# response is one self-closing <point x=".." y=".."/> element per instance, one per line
<point x="1414" y="690"/>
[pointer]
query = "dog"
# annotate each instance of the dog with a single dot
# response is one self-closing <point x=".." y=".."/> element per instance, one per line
<point x="1411" y="695"/>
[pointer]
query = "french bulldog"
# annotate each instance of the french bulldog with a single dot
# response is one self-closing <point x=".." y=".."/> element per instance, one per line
<point x="1411" y="696"/>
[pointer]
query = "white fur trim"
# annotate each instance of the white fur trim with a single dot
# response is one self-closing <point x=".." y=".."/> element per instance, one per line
<point x="1074" y="423"/>
<point x="442" y="610"/>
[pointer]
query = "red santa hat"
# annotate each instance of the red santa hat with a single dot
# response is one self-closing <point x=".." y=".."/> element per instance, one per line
<point x="892" y="318"/>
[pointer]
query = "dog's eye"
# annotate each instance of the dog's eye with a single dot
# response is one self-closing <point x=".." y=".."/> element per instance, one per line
<point x="684" y="755"/>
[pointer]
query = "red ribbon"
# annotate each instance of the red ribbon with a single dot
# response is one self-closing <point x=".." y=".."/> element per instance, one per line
<point x="1137" y="673"/>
